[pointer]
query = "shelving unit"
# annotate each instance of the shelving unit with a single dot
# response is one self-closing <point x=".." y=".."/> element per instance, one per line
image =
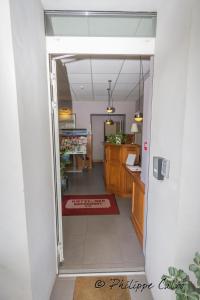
<point x="76" y="143"/>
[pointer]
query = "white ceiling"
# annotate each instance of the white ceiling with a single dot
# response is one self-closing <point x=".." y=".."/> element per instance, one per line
<point x="88" y="78"/>
<point x="111" y="5"/>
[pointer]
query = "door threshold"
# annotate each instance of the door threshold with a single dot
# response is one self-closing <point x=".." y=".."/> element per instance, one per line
<point x="86" y="274"/>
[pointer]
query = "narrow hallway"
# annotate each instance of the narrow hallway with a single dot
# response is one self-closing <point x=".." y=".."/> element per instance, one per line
<point x="99" y="242"/>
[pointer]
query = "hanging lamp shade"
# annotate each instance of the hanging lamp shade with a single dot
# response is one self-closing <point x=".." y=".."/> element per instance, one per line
<point x="109" y="122"/>
<point x="138" y="117"/>
<point x="64" y="113"/>
<point x="110" y="110"/>
<point x="134" y="128"/>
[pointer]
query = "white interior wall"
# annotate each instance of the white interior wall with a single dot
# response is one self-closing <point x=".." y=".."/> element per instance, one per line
<point x="29" y="272"/>
<point x="112" y="5"/>
<point x="15" y="280"/>
<point x="146" y="127"/>
<point x="165" y="201"/>
<point x="84" y="109"/>
<point x="189" y="207"/>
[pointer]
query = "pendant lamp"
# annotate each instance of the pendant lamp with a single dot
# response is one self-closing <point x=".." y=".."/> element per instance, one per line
<point x="138" y="117"/>
<point x="109" y="122"/>
<point x="110" y="109"/>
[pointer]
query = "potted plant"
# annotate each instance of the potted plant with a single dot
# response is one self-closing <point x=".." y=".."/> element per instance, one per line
<point x="118" y="138"/>
<point x="180" y="282"/>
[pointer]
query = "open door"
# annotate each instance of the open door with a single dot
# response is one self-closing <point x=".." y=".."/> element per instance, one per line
<point x="56" y="152"/>
<point x="56" y="159"/>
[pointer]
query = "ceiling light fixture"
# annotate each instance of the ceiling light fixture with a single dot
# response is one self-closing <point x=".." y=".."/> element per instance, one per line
<point x="139" y="115"/>
<point x="64" y="113"/>
<point x="110" y="109"/>
<point x="109" y="122"/>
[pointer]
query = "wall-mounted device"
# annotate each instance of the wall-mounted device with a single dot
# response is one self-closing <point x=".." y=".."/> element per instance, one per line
<point x="161" y="167"/>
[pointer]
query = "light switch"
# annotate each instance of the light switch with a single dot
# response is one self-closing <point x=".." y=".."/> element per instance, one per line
<point x="157" y="166"/>
<point x="165" y="168"/>
<point x="161" y="168"/>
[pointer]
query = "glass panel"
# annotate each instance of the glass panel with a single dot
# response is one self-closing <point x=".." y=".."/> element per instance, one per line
<point x="146" y="28"/>
<point x="69" y="26"/>
<point x="112" y="25"/>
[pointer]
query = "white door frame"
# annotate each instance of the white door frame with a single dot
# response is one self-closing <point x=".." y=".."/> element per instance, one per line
<point x="100" y="45"/>
<point x="71" y="46"/>
<point x="56" y="160"/>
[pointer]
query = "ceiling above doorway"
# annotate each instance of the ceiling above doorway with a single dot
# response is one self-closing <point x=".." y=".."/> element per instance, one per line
<point x="88" y="78"/>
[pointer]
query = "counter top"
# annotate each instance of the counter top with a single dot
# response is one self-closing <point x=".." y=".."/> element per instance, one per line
<point x="136" y="177"/>
<point x="122" y="145"/>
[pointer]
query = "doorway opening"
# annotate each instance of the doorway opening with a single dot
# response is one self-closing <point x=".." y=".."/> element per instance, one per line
<point x="101" y="132"/>
<point x="86" y="51"/>
<point x="92" y="163"/>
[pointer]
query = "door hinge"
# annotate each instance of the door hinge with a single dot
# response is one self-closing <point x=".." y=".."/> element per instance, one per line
<point x="53" y="104"/>
<point x="52" y="77"/>
<point x="60" y="252"/>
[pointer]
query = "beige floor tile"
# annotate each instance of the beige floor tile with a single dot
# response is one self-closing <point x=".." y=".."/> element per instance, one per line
<point x="73" y="250"/>
<point x="102" y="224"/>
<point x="63" y="289"/>
<point x="131" y="250"/>
<point x="101" y="249"/>
<point x="74" y="225"/>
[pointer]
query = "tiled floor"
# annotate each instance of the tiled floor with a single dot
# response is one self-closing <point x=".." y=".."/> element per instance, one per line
<point x="87" y="182"/>
<point x="99" y="243"/>
<point x="64" y="287"/>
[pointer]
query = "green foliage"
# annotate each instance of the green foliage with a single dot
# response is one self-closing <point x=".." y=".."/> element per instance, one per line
<point x="180" y="282"/>
<point x="118" y="138"/>
<point x="195" y="268"/>
<point x="64" y="161"/>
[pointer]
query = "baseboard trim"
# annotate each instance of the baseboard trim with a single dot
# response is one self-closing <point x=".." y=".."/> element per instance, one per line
<point x="93" y="274"/>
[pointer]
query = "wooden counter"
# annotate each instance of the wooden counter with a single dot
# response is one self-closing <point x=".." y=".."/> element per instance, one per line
<point x="124" y="183"/>
<point x="117" y="180"/>
<point x="138" y="200"/>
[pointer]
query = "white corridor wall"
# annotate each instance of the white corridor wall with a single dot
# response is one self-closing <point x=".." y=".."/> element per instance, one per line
<point x="28" y="256"/>
<point x="84" y="109"/>
<point x="15" y="279"/>
<point x="173" y="222"/>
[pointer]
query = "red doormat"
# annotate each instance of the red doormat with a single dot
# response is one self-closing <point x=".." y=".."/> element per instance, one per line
<point x="76" y="205"/>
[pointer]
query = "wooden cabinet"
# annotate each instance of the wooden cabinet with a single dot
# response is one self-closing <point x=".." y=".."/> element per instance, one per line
<point x="137" y="187"/>
<point x="124" y="183"/>
<point x="117" y="179"/>
<point x="137" y="213"/>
